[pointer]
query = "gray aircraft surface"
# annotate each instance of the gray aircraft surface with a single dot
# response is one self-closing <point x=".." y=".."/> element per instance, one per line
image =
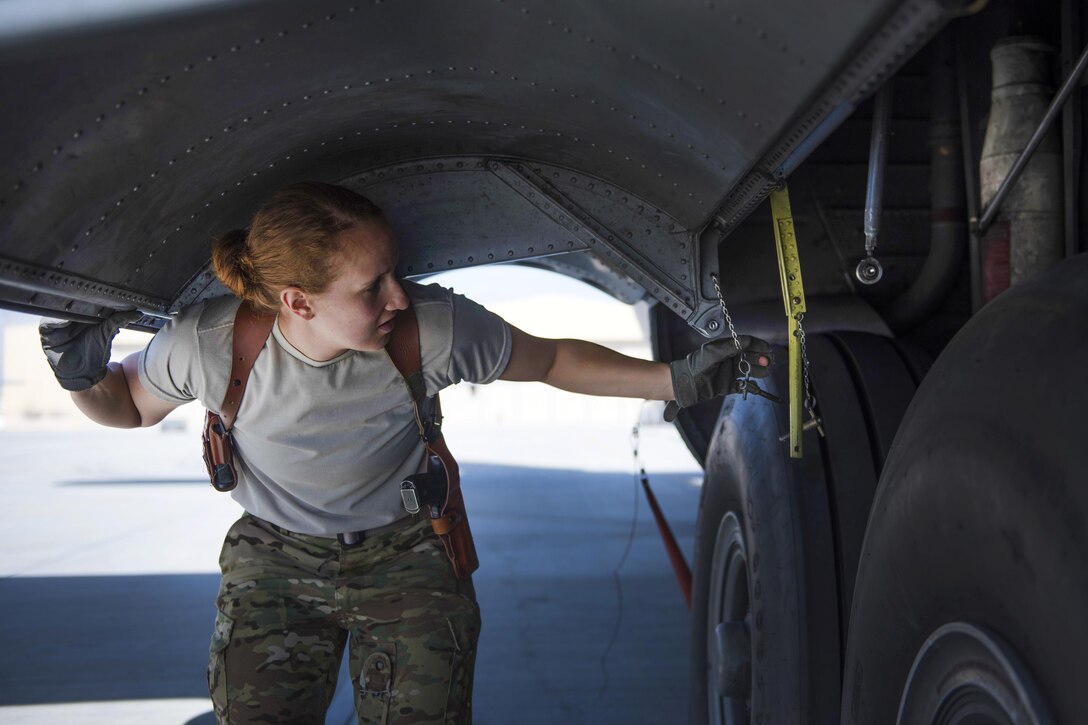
<point x="919" y="552"/>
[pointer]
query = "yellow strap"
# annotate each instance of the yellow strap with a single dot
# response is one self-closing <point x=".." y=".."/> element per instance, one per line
<point x="793" y="297"/>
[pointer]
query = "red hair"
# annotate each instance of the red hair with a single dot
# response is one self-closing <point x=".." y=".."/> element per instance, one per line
<point x="292" y="242"/>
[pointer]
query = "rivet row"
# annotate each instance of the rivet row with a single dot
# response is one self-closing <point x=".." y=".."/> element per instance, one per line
<point x="307" y="97"/>
<point x="657" y="67"/>
<point x="235" y="48"/>
<point x="210" y="58"/>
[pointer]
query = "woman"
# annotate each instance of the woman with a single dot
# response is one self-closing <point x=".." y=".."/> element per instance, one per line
<point x="325" y="555"/>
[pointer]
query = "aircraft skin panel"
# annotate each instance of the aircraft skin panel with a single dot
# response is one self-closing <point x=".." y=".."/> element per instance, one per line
<point x="135" y="144"/>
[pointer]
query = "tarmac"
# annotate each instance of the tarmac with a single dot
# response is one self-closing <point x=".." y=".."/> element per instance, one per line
<point x="109" y="543"/>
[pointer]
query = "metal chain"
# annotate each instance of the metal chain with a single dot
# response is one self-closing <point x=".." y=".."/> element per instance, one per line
<point x="743" y="366"/>
<point x="725" y="310"/>
<point x="810" y="401"/>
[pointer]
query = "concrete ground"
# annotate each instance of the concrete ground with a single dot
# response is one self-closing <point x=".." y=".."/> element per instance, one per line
<point x="108" y="551"/>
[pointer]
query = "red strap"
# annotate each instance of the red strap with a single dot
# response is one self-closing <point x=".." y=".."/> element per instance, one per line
<point x="251" y="330"/>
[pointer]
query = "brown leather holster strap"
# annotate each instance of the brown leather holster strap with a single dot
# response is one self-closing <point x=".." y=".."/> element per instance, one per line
<point x="453" y="481"/>
<point x="251" y="330"/>
<point x="452" y="526"/>
<point x="403" y="349"/>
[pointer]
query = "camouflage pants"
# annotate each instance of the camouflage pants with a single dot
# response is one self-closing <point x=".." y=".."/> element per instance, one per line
<point x="289" y="603"/>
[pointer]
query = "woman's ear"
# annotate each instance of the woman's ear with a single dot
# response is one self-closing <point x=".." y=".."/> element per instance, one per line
<point x="297" y="302"/>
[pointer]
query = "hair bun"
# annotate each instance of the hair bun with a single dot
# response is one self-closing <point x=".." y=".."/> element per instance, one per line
<point x="294" y="240"/>
<point x="230" y="260"/>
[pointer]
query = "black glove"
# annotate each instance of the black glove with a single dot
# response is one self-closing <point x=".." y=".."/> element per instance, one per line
<point x="715" y="369"/>
<point x="78" y="351"/>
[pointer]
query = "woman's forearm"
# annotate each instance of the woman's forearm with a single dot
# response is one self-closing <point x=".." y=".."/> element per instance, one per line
<point x="585" y="367"/>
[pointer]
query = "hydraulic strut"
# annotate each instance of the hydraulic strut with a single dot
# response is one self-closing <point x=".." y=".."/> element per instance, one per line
<point x="869" y="270"/>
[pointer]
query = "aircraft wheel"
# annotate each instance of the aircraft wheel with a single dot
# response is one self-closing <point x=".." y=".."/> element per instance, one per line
<point x="966" y="673"/>
<point x="756" y="536"/>
<point x="777" y="540"/>
<point x="971" y="593"/>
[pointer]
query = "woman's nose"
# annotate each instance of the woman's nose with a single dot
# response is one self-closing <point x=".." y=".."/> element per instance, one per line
<point x="398" y="298"/>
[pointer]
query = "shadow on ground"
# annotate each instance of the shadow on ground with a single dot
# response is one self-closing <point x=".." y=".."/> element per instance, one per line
<point x="562" y="640"/>
<point x="98" y="638"/>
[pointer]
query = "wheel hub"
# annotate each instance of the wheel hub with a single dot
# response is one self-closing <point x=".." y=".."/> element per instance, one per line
<point x="968" y="675"/>
<point x="729" y="648"/>
<point x="731" y="660"/>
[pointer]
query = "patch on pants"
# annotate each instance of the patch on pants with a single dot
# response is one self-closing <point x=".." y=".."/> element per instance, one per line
<point x="418" y="670"/>
<point x="217" y="674"/>
<point x="377" y="675"/>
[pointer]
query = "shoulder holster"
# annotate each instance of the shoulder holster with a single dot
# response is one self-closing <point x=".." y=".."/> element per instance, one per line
<point x="452" y="523"/>
<point x="251" y="330"/>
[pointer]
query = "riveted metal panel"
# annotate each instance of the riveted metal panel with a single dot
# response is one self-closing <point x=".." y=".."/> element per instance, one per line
<point x="139" y="139"/>
<point x="450" y="213"/>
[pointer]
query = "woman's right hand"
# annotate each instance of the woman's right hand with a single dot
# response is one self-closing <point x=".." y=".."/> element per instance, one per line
<point x="79" y="351"/>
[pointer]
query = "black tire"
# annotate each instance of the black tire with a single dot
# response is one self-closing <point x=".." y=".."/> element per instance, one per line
<point x="978" y="536"/>
<point x="792" y="532"/>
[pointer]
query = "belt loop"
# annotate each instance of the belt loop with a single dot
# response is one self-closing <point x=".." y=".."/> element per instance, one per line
<point x="351" y="538"/>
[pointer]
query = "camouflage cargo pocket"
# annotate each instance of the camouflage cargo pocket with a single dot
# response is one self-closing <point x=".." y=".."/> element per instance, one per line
<point x="374" y="686"/>
<point x="421" y="671"/>
<point x="465" y="628"/>
<point x="217" y="674"/>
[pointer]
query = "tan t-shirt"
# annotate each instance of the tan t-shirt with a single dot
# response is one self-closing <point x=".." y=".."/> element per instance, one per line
<point x="321" y="447"/>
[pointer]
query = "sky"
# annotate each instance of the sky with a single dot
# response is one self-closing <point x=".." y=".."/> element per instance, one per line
<point x="19" y="17"/>
<point x="500" y="282"/>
